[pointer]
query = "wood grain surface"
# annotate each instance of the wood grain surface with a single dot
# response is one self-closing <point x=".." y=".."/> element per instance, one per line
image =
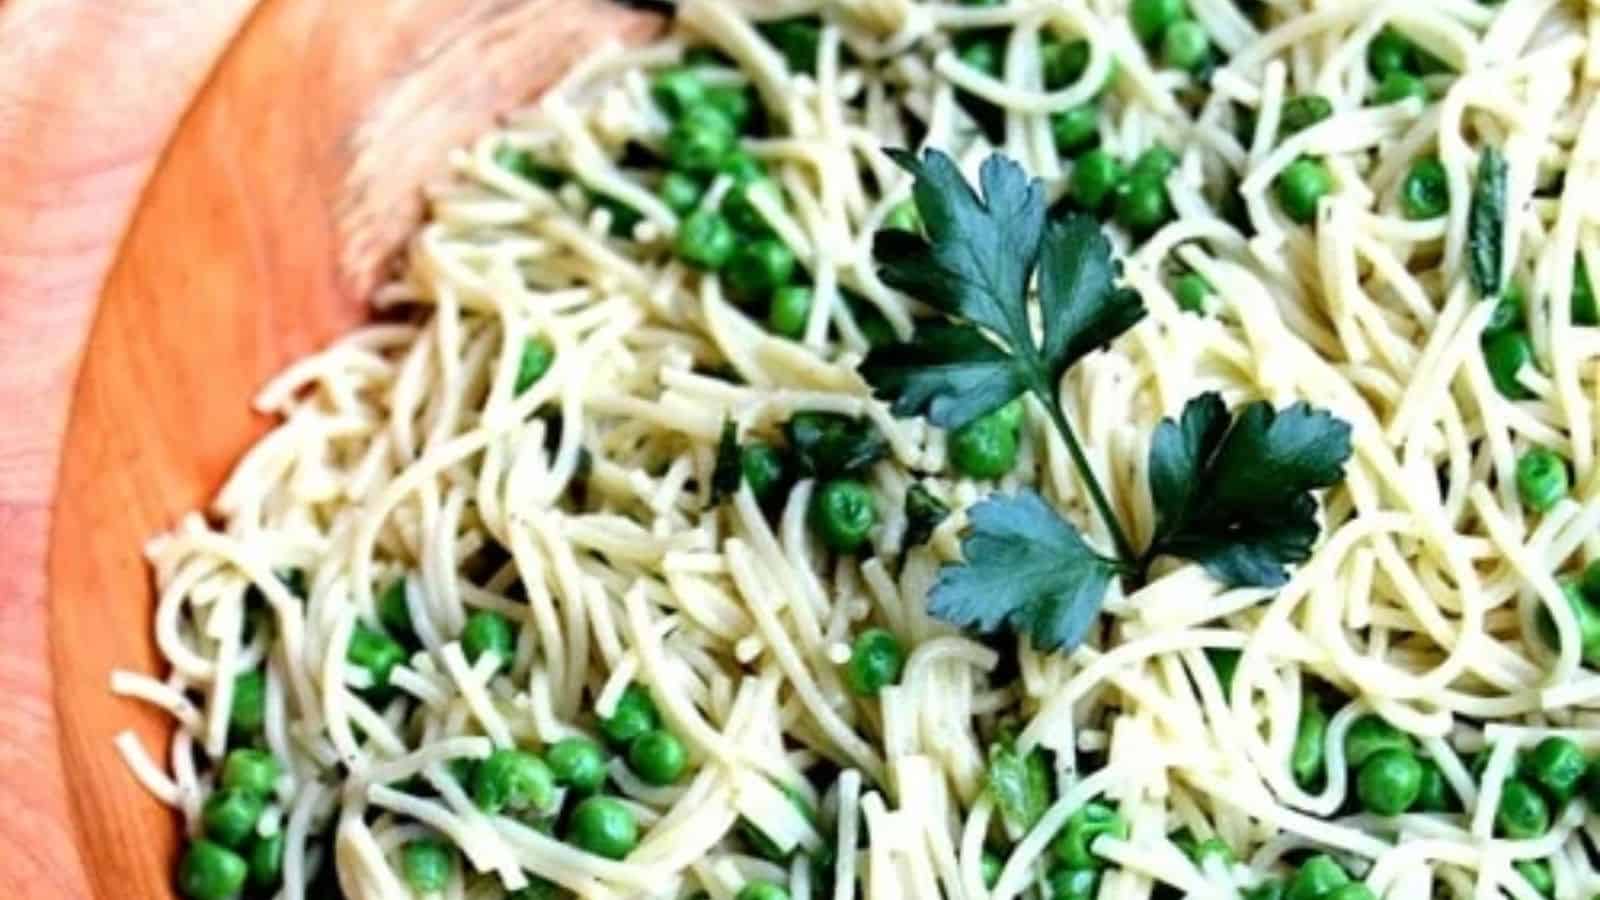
<point x="291" y="177"/>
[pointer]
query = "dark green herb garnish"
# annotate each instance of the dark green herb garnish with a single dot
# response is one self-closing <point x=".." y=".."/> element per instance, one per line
<point x="827" y="445"/>
<point x="1231" y="492"/>
<point x="1019" y="784"/>
<point x="924" y="512"/>
<point x="1234" y="492"/>
<point x="726" y="474"/>
<point x="1486" y="223"/>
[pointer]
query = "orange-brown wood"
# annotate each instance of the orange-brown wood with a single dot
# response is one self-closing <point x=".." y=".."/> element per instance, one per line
<point x="282" y="193"/>
<point x="89" y="94"/>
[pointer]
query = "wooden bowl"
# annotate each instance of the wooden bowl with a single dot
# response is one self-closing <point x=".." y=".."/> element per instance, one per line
<point x="288" y="184"/>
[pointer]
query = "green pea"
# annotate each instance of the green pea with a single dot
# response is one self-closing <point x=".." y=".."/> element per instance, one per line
<point x="760" y="889"/>
<point x="489" y="632"/>
<point x="375" y="652"/>
<point x="426" y="864"/>
<point x="539" y="889"/>
<point x="265" y="861"/>
<point x="843" y="514"/>
<point x="1508" y="314"/>
<point x="245" y="769"/>
<point x="1319" y="876"/>
<point x="1398" y="86"/>
<point x="249" y="708"/>
<point x="1088" y="822"/>
<point x="658" y="757"/>
<point x="1194" y="294"/>
<point x="1370" y="734"/>
<point x="706" y="240"/>
<point x="1590" y="585"/>
<point x="733" y="102"/>
<point x="1425" y="194"/>
<point x="522" y="164"/>
<point x="393" y="612"/>
<point x="1185" y="45"/>
<point x="211" y="872"/>
<point x="1388" y="53"/>
<point x="1094" y="177"/>
<point x="1389" y="782"/>
<point x="1142" y="203"/>
<point x="635" y="713"/>
<point x="681" y="193"/>
<point x="990" y="865"/>
<point x="1063" y="62"/>
<point x="1355" y="890"/>
<point x="676" y="90"/>
<point x="1075" y="128"/>
<point x="1542" y="479"/>
<point x="986" y="447"/>
<point x="1506" y="353"/>
<point x="1067" y="883"/>
<point x="1585" y="310"/>
<point x="1536" y="872"/>
<point x="876" y="659"/>
<point x="738" y="205"/>
<point x="537" y="356"/>
<point x="763" y="469"/>
<point x="1150" y="18"/>
<point x="1306" y="758"/>
<point x="603" y="826"/>
<point x="1156" y="162"/>
<point x="1557" y="766"/>
<point x="577" y="763"/>
<point x="904" y="217"/>
<point x="1303" y="111"/>
<point x="791" y="306"/>
<point x="1522" y="813"/>
<point x="1588" y="619"/>
<point x="230" y="816"/>
<point x="1301" y="186"/>
<point x="983" y="54"/>
<point x="1212" y="849"/>
<point x="1224" y="662"/>
<point x="700" y="140"/>
<point x="514" y="780"/>
<point x="758" y="268"/>
<point x="798" y="40"/>
<point x="1434" y="793"/>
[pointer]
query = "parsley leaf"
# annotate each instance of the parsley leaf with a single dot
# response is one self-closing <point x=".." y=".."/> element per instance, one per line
<point x="952" y="372"/>
<point x="975" y="266"/>
<point x="1486" y="223"/>
<point x="924" y="512"/>
<point x="1234" y="493"/>
<point x="725" y="476"/>
<point x="826" y="445"/>
<point x="1026" y="567"/>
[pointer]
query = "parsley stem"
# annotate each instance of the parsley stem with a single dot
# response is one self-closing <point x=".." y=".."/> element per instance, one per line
<point x="1126" y="555"/>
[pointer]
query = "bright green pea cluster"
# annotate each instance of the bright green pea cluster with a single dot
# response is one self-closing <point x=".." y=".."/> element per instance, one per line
<point x="1136" y="196"/>
<point x="1398" y="66"/>
<point x="1183" y="42"/>
<point x="231" y="852"/>
<point x="1390" y="776"/>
